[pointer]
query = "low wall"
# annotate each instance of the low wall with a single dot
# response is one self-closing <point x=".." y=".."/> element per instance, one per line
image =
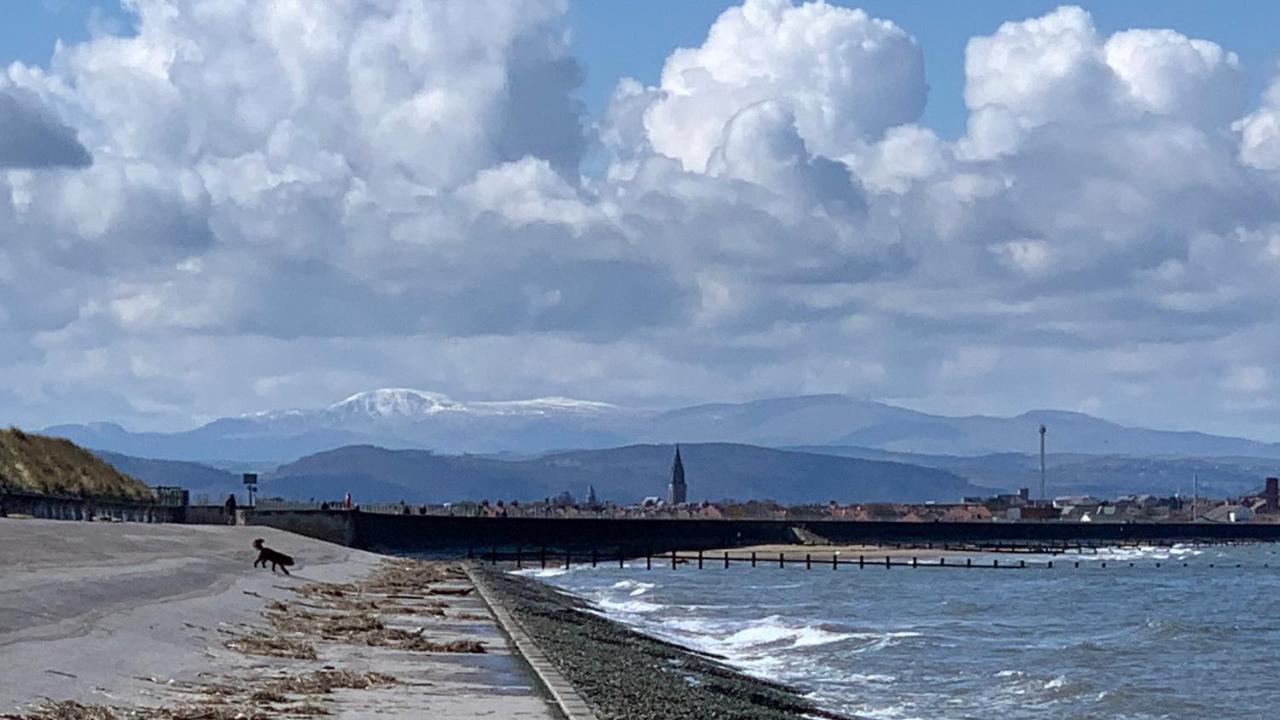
<point x="207" y="515"/>
<point x="442" y="533"/>
<point x="335" y="526"/>
<point x="55" y="507"/>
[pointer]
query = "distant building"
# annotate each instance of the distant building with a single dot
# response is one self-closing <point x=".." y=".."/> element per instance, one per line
<point x="591" y="494"/>
<point x="1229" y="514"/>
<point x="678" y="491"/>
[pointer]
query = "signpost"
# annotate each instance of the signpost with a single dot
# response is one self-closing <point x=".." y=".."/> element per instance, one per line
<point x="251" y="484"/>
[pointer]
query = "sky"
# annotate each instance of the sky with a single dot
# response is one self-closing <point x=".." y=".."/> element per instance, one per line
<point x="209" y="209"/>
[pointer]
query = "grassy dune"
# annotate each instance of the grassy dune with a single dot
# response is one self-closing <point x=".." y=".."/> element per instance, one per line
<point x="57" y="466"/>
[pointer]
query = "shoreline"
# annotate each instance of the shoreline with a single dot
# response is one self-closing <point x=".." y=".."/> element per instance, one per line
<point x="623" y="673"/>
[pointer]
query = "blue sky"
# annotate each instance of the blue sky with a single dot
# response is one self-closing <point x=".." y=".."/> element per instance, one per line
<point x="620" y="38"/>
<point x="617" y="39"/>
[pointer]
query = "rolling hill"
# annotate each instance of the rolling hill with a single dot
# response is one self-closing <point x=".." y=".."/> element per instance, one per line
<point x="197" y="478"/>
<point x="626" y="474"/>
<point x="1100" y="475"/>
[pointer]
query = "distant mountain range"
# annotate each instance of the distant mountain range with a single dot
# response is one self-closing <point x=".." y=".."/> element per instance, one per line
<point x="722" y="471"/>
<point x="1103" y="476"/>
<point x="197" y="478"/>
<point x="716" y="471"/>
<point x="412" y="419"/>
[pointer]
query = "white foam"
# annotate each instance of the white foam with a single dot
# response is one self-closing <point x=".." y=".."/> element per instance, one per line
<point x="541" y="573"/>
<point x="635" y="588"/>
<point x="628" y="607"/>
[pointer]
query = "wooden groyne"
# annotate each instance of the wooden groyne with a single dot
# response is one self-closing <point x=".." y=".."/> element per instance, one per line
<point x="543" y="559"/>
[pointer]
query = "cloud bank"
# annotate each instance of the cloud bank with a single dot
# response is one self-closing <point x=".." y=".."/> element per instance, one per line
<point x="250" y="205"/>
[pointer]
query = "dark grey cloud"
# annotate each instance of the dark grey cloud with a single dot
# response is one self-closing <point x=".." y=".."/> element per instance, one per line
<point x="33" y="137"/>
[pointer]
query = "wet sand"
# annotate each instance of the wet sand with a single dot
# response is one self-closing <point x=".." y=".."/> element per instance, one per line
<point x="155" y="620"/>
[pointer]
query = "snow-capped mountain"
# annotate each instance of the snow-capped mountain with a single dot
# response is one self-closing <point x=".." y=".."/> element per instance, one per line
<point x="406" y="405"/>
<point x="414" y="419"/>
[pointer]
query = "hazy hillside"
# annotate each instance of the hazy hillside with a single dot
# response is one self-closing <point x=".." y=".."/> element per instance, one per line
<point x="837" y="420"/>
<point x="411" y="419"/>
<point x="57" y="466"/>
<point x="198" y="479"/>
<point x="626" y="474"/>
<point x="1104" y="476"/>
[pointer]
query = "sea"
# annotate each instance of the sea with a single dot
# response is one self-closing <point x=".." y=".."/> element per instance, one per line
<point x="1114" y="641"/>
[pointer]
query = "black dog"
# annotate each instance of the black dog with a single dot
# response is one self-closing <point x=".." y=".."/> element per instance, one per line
<point x="275" y="557"/>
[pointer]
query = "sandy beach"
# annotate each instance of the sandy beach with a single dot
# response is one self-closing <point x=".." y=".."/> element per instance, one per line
<point x="174" y="620"/>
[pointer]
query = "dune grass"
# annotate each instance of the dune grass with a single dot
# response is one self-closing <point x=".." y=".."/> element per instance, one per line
<point x="56" y="466"/>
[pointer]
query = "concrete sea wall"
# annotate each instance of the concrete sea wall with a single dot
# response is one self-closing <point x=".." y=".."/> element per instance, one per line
<point x="454" y="535"/>
<point x="57" y="507"/>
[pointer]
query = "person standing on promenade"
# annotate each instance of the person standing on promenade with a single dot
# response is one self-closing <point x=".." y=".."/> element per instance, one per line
<point x="231" y="509"/>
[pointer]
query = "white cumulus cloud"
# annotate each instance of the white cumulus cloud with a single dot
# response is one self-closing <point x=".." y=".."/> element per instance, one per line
<point x="290" y="202"/>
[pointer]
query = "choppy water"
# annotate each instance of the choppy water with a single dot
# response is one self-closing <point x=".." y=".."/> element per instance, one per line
<point x="1119" y="642"/>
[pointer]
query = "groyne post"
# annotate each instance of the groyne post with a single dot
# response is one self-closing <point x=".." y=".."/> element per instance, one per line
<point x="699" y="559"/>
<point x="726" y="561"/>
<point x="782" y="560"/>
<point x="753" y="558"/>
<point x="808" y="561"/>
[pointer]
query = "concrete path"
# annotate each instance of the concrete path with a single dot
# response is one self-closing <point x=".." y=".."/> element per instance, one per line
<point x="118" y="614"/>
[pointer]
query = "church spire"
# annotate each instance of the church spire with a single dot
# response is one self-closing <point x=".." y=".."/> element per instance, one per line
<point x="678" y="491"/>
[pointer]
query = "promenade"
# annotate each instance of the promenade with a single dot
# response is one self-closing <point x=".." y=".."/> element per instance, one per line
<point x="129" y="616"/>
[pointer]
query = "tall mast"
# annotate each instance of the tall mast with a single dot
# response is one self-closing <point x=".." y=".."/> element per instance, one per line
<point x="1195" y="494"/>
<point x="1042" y="494"/>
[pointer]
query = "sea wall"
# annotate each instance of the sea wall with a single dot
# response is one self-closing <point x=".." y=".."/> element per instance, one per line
<point x="207" y="515"/>
<point x="443" y="533"/>
<point x="57" y="507"/>
<point x="456" y="535"/>
<point x="335" y="526"/>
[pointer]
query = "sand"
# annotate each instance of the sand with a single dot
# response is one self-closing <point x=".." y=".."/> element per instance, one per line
<point x="136" y="616"/>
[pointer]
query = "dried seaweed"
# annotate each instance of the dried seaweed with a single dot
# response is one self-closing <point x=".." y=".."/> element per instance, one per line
<point x="273" y="646"/>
